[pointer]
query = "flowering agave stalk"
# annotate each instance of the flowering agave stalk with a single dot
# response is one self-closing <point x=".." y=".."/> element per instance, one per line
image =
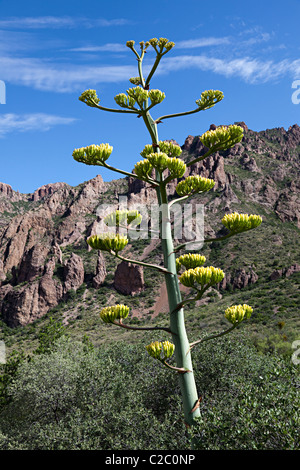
<point x="160" y="164"/>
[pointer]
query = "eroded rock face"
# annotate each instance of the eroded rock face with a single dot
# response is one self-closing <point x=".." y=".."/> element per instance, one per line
<point x="32" y="263"/>
<point x="100" y="275"/>
<point x="73" y="273"/>
<point x="239" y="279"/>
<point x="27" y="303"/>
<point x="47" y="190"/>
<point x="285" y="272"/>
<point x="129" y="278"/>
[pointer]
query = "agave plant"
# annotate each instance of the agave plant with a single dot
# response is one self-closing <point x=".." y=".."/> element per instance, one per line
<point x="162" y="164"/>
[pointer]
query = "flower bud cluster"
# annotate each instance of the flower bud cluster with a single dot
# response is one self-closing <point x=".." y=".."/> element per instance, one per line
<point x="130" y="44"/>
<point x="160" y="161"/>
<point x="223" y="137"/>
<point x="125" y="101"/>
<point x="90" y="98"/>
<point x="190" y="261"/>
<point x="170" y="149"/>
<point x="135" y="80"/>
<point x="176" y="167"/>
<point x="93" y="154"/>
<point x="117" y="312"/>
<point x="161" y="350"/>
<point x="143" y="45"/>
<point x="156" y="96"/>
<point x="138" y="95"/>
<point x="161" y="43"/>
<point x="143" y="169"/>
<point x="209" y="98"/>
<point x="237" y="313"/>
<point x="108" y="242"/>
<point x="241" y="222"/>
<point x="194" y="184"/>
<point x="123" y="217"/>
<point x="205" y="277"/>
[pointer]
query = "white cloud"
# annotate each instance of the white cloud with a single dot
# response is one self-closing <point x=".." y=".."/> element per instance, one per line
<point x="249" y="70"/>
<point x="110" y="47"/>
<point x="202" y="42"/>
<point x="30" y="122"/>
<point x="47" y="76"/>
<point x="42" y="22"/>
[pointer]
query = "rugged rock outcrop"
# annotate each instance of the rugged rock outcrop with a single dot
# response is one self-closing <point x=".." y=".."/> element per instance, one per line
<point x="26" y="303"/>
<point x="129" y="278"/>
<point x="239" y="279"/>
<point x="100" y="275"/>
<point x="32" y="263"/>
<point x="47" y="190"/>
<point x="285" y="272"/>
<point x="73" y="273"/>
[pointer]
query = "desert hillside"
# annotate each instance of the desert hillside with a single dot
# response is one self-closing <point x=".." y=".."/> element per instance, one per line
<point x="47" y="269"/>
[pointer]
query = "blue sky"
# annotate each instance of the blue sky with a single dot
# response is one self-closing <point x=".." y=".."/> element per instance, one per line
<point x="52" y="51"/>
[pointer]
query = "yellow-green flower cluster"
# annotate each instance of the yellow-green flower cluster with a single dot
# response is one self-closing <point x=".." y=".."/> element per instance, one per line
<point x="108" y="242"/>
<point x="123" y="217"/>
<point x="135" y="80"/>
<point x="125" y="101"/>
<point x="161" y="350"/>
<point x="117" y="312"/>
<point x="237" y="223"/>
<point x="160" y="161"/>
<point x="222" y="137"/>
<point x="170" y="149"/>
<point x="237" y="313"/>
<point x="176" y="167"/>
<point x="156" y="96"/>
<point x="209" y="98"/>
<point x="143" y="169"/>
<point x="143" y="45"/>
<point x="130" y="44"/>
<point x="190" y="261"/>
<point x="205" y="277"/>
<point x="138" y="95"/>
<point x="90" y="98"/>
<point x="93" y="154"/>
<point x="160" y="44"/>
<point x="194" y="184"/>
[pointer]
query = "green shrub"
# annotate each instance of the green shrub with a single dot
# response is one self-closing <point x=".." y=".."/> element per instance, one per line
<point x="115" y="398"/>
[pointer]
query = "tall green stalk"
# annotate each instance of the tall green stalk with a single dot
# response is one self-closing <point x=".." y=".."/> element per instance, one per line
<point x="163" y="157"/>
<point x="177" y="323"/>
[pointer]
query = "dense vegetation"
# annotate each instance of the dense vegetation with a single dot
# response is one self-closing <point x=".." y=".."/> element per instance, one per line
<point x="70" y="395"/>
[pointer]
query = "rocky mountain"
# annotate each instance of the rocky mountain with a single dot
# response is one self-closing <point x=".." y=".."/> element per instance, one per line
<point x="44" y="258"/>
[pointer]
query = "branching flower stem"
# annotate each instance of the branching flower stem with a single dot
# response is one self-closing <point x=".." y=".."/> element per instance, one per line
<point x="217" y="335"/>
<point x="129" y="327"/>
<point x="141" y="263"/>
<point x="185" y="113"/>
<point x="180" y="370"/>
<point x="207" y="240"/>
<point x="113" y="110"/>
<point x="123" y="172"/>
